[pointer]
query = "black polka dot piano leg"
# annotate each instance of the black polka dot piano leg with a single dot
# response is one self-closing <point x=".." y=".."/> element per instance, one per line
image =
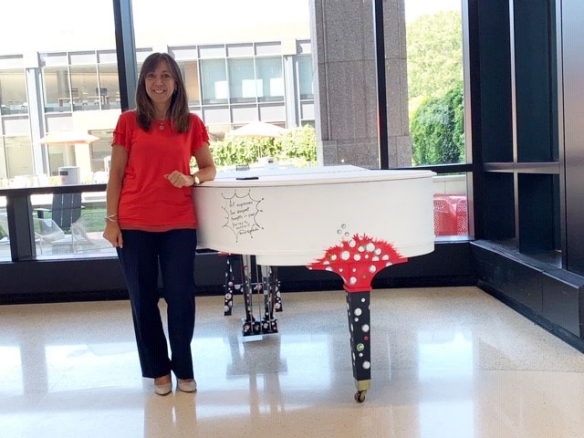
<point x="229" y="288"/>
<point x="250" y="325"/>
<point x="276" y="290"/>
<point x="269" y="323"/>
<point x="360" y="331"/>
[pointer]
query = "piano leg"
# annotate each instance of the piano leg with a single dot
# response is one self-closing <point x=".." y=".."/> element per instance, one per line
<point x="250" y="325"/>
<point x="360" y="330"/>
<point x="269" y="323"/>
<point x="230" y="284"/>
<point x="276" y="290"/>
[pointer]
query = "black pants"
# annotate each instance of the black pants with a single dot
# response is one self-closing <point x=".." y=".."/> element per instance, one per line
<point x="141" y="256"/>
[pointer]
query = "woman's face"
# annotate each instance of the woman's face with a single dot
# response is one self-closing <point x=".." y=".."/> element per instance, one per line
<point x="160" y="84"/>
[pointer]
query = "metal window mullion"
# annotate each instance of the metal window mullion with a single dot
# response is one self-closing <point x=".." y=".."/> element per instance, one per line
<point x="514" y="114"/>
<point x="126" y="53"/>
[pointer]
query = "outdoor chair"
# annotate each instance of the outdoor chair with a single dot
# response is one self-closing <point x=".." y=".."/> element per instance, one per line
<point x="4" y="237"/>
<point x="45" y="232"/>
<point x="79" y="240"/>
<point x="65" y="210"/>
<point x="49" y="233"/>
<point x="84" y="240"/>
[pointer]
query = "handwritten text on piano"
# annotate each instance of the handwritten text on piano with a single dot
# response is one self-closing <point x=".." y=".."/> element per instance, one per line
<point x="242" y="214"/>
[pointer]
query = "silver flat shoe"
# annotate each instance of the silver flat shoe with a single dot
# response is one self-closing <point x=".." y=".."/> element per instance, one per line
<point x="163" y="388"/>
<point x="187" y="385"/>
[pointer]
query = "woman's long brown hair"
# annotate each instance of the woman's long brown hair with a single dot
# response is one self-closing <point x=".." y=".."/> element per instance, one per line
<point x="178" y="112"/>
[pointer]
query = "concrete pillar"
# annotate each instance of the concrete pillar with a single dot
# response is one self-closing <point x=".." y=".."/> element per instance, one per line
<point x="40" y="155"/>
<point x="345" y="82"/>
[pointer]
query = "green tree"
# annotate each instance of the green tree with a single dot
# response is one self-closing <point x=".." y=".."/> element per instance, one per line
<point x="434" y="47"/>
<point x="437" y="129"/>
<point x="299" y="146"/>
<point x="435" y="77"/>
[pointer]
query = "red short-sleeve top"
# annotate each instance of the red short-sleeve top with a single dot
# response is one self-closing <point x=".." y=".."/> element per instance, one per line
<point x="148" y="201"/>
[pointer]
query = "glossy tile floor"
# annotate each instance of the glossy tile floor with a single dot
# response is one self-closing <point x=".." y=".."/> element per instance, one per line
<point x="447" y="362"/>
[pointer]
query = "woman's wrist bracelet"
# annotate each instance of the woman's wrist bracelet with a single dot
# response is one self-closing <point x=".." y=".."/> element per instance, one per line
<point x="111" y="218"/>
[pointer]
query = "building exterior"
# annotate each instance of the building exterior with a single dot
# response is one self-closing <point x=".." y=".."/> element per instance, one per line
<point x="229" y="85"/>
<point x="308" y="71"/>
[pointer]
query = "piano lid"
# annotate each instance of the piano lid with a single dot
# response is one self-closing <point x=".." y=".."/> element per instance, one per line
<point x="282" y="176"/>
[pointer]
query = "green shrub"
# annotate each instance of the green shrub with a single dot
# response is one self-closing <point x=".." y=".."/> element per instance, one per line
<point x="297" y="146"/>
<point x="437" y="129"/>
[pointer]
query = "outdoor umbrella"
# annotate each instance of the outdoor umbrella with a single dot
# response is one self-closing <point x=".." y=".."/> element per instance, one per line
<point x="259" y="129"/>
<point x="68" y="137"/>
<point x="64" y="138"/>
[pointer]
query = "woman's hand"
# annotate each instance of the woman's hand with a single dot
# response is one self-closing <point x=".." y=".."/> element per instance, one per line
<point x="113" y="234"/>
<point x="179" y="179"/>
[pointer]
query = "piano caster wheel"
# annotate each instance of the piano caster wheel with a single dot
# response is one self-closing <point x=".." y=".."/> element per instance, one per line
<point x="360" y="396"/>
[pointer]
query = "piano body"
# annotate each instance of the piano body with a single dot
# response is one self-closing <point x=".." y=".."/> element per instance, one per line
<point x="345" y="219"/>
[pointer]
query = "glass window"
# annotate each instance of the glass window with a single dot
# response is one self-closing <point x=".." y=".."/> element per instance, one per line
<point x="73" y="76"/>
<point x="13" y="92"/>
<point x="450" y="205"/>
<point x="60" y="25"/>
<point x="109" y="86"/>
<point x="190" y="71"/>
<point x="16" y="159"/>
<point x="271" y="79"/>
<point x="84" y="89"/>
<point x="4" y="236"/>
<point x="73" y="232"/>
<point x="214" y="81"/>
<point x="60" y="156"/>
<point x="101" y="151"/>
<point x="57" y="89"/>
<point x="3" y="164"/>
<point x="435" y="83"/>
<point x="242" y="83"/>
<point x="305" y="77"/>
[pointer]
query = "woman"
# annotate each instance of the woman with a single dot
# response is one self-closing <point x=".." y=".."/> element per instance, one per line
<point x="151" y="220"/>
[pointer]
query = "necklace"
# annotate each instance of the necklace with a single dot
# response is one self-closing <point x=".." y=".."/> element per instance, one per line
<point x="161" y="126"/>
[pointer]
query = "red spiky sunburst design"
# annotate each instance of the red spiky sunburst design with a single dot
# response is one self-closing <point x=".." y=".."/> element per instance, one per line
<point x="357" y="260"/>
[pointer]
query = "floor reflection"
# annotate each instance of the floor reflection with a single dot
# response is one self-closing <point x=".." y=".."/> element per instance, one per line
<point x="446" y="363"/>
<point x="445" y="351"/>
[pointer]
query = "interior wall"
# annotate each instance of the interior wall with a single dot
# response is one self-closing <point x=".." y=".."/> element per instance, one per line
<point x="572" y="50"/>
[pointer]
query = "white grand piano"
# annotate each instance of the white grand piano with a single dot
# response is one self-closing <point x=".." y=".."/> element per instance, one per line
<point x="344" y="219"/>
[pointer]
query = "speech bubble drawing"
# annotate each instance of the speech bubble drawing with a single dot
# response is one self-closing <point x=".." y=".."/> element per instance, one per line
<point x="241" y="214"/>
